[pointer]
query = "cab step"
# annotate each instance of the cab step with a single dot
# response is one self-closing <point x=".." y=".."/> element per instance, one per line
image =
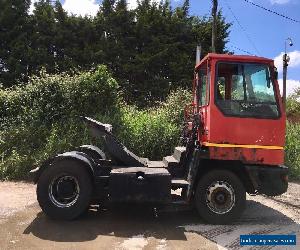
<point x="179" y="183"/>
<point x="174" y="167"/>
<point x="179" y="153"/>
<point x="170" y="161"/>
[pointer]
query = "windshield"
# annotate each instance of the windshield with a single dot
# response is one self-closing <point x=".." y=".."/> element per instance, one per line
<point x="245" y="89"/>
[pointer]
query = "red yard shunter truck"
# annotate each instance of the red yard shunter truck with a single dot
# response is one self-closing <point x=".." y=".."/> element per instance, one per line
<point x="233" y="145"/>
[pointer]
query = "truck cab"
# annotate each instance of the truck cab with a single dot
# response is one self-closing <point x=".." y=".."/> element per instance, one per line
<point x="239" y="102"/>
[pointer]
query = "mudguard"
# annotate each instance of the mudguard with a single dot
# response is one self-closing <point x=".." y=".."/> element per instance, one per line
<point x="73" y="155"/>
<point x="118" y="152"/>
<point x="269" y="180"/>
<point x="92" y="150"/>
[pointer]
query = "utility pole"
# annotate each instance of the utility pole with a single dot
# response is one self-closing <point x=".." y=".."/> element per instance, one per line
<point x="214" y="25"/>
<point x="286" y="60"/>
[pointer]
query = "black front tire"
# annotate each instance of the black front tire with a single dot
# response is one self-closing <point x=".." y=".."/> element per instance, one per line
<point x="234" y="191"/>
<point x="79" y="175"/>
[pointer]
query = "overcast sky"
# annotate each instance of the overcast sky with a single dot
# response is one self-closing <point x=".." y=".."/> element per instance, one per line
<point x="254" y="30"/>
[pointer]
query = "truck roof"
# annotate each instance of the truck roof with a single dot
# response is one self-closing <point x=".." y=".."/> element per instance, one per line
<point x="241" y="58"/>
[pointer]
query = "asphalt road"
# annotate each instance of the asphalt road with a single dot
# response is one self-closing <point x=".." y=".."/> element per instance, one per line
<point x="24" y="226"/>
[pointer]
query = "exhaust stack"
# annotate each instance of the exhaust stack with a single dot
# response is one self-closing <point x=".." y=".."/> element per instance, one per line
<point x="198" y="54"/>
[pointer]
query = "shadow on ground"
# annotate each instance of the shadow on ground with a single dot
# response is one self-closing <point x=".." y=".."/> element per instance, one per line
<point x="172" y="225"/>
<point x="125" y="223"/>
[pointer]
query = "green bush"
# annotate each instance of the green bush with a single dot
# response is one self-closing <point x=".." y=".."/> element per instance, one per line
<point x="41" y="119"/>
<point x="153" y="132"/>
<point x="292" y="149"/>
<point x="148" y="133"/>
<point x="51" y="98"/>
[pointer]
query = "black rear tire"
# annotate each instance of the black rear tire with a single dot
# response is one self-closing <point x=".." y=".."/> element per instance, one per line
<point x="51" y="194"/>
<point x="220" y="197"/>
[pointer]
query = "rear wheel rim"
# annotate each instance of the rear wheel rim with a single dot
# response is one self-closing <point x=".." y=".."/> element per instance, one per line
<point x="220" y="197"/>
<point x="64" y="191"/>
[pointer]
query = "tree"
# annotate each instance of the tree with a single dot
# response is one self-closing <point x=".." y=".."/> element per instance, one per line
<point x="115" y="47"/>
<point x="202" y="30"/>
<point x="149" y="50"/>
<point x="14" y="41"/>
<point x="164" y="47"/>
<point x="42" y="50"/>
<point x="63" y="38"/>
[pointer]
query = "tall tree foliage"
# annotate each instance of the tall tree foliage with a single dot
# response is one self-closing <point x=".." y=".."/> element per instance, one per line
<point x="42" y="49"/>
<point x="150" y="50"/>
<point x="14" y="41"/>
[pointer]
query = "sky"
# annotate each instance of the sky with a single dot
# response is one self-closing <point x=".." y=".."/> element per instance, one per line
<point x="253" y="30"/>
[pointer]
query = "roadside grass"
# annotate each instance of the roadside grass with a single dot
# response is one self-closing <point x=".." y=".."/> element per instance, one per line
<point x="292" y="150"/>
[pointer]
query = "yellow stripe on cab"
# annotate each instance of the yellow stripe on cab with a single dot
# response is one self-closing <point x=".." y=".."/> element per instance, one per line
<point x="221" y="145"/>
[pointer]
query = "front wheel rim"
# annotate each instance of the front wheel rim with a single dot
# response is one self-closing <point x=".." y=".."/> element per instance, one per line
<point x="220" y="197"/>
<point x="64" y="191"/>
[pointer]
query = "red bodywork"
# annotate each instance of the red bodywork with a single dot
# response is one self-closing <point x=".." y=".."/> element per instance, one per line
<point x="247" y="139"/>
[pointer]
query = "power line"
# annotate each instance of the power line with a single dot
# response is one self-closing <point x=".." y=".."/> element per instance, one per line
<point x="272" y="11"/>
<point x="245" y="51"/>
<point x="242" y="28"/>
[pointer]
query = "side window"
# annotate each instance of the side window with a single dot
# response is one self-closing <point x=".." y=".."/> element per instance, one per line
<point x="203" y="85"/>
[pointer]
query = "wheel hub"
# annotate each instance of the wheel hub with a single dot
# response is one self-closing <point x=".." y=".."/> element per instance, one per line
<point x="64" y="191"/>
<point x="66" y="187"/>
<point x="220" y="197"/>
